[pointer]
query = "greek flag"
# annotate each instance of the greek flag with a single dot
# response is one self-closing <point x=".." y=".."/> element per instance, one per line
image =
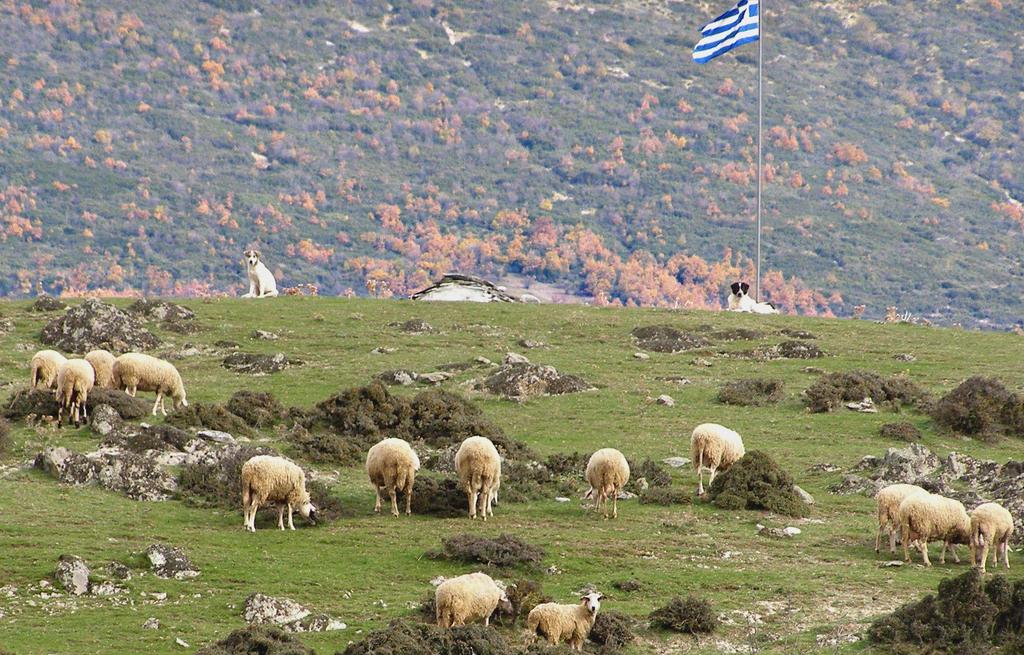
<point x="735" y="27"/>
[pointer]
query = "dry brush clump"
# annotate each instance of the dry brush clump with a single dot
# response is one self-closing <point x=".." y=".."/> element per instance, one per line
<point x="257" y="639"/>
<point x="691" y="615"/>
<point x="5" y="436"/>
<point x="505" y="550"/>
<point x="211" y="416"/>
<point x="981" y="407"/>
<point x="257" y="408"/>
<point x="901" y="431"/>
<point x="24" y="402"/>
<point x="613" y="631"/>
<point x="966" y="615"/>
<point x="757" y="482"/>
<point x="831" y="390"/>
<point x="667" y="339"/>
<point x="754" y="392"/>
<point x="415" y="638"/>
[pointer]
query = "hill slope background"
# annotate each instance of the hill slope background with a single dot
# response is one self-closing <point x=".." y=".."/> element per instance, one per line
<point x="372" y="146"/>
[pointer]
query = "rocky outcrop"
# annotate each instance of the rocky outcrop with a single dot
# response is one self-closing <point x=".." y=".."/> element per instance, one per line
<point x="96" y="324"/>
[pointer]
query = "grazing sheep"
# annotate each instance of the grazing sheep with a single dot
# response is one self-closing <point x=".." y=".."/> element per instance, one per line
<point x="44" y="368"/>
<point x="75" y="380"/>
<point x="607" y="473"/>
<point x="135" y="371"/>
<point x="991" y="525"/>
<point x="103" y="363"/>
<point x="479" y="468"/>
<point x="269" y="479"/>
<point x="392" y="465"/>
<point x="930" y="517"/>
<point x="888" y="500"/>
<point x="468" y="598"/>
<point x="569" y="622"/>
<point x="714" y="447"/>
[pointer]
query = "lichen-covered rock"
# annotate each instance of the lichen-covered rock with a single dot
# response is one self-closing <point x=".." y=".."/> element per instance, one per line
<point x="105" y="420"/>
<point x="96" y="324"/>
<point x="136" y="476"/>
<point x="170" y="562"/>
<point x="161" y="310"/>
<point x="73" y="574"/>
<point x="518" y="381"/>
<point x="47" y="303"/>
<point x="399" y="377"/>
<point x="259" y="364"/>
<point x="285" y="613"/>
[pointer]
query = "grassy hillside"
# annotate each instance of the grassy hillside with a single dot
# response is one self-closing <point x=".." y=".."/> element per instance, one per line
<point x="373" y="146"/>
<point x="369" y="569"/>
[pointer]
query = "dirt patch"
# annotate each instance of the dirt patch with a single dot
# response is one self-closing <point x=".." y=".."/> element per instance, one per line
<point x="257" y="408"/>
<point x="254" y="364"/>
<point x="737" y="334"/>
<point x="96" y="324"/>
<point x="982" y="408"/>
<point x="517" y="381"/>
<point x="667" y="339"/>
<point x="690" y="615"/>
<point x="832" y="390"/>
<point x="257" y="640"/>
<point x="505" y="550"/>
<point x="757" y="482"/>
<point x="47" y="304"/>
<point x="967" y="615"/>
<point x="211" y="416"/>
<point x="754" y="392"/>
<point x="901" y="431"/>
<point x="24" y="402"/>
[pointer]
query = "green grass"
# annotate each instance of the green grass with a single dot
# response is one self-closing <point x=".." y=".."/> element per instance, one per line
<point x="826" y="577"/>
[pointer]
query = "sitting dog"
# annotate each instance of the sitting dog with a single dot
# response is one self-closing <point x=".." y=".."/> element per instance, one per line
<point x="261" y="280"/>
<point x="739" y="301"/>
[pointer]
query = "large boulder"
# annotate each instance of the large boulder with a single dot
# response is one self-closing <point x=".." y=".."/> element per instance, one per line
<point x="136" y="476"/>
<point x="96" y="324"/>
<point x="170" y="562"/>
<point x="161" y="310"/>
<point x="285" y="613"/>
<point x="521" y="380"/>
<point x="72" y="574"/>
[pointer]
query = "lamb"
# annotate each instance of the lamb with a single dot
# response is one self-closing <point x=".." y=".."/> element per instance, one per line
<point x="714" y="447"/>
<point x="930" y="517"/>
<point x="607" y="473"/>
<point x="103" y="364"/>
<point x="75" y="380"/>
<point x="392" y="465"/>
<point x="468" y="598"/>
<point x="888" y="500"/>
<point x="479" y="468"/>
<point x="136" y="371"/>
<point x="269" y="479"/>
<point x="44" y="368"/>
<point x="991" y="525"/>
<point x="569" y="622"/>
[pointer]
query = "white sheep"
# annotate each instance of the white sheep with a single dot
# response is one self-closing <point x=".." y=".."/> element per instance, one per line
<point x="75" y="379"/>
<point x="607" y="473"/>
<point x="714" y="447"/>
<point x="479" y="467"/>
<point x="930" y="517"/>
<point x="270" y="479"/>
<point x="136" y="372"/>
<point x="103" y="364"/>
<point x="468" y="598"/>
<point x="44" y="368"/>
<point x="991" y="525"/>
<point x="392" y="465"/>
<point x="571" y="623"/>
<point x="888" y="500"/>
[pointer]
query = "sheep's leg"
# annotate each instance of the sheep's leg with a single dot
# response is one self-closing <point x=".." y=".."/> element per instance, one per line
<point x="1006" y="552"/>
<point x="393" y="493"/>
<point x="615" y="503"/>
<point x="700" y="473"/>
<point x="485" y="493"/>
<point x="878" y="537"/>
<point x="131" y="390"/>
<point x="471" y="497"/>
<point x="711" y="478"/>
<point x="892" y="539"/>
<point x="376" y="508"/>
<point x="984" y="555"/>
<point x="408" y="497"/>
<point x="252" y="514"/>
<point x="280" y="516"/>
<point x="906" y="541"/>
<point x="923" y="546"/>
<point x="291" y="526"/>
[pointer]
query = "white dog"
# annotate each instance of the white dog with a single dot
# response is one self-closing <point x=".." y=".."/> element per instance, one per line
<point x="261" y="280"/>
<point x="739" y="301"/>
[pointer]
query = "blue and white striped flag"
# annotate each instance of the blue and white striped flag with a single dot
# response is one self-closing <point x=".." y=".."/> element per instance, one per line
<point x="735" y="27"/>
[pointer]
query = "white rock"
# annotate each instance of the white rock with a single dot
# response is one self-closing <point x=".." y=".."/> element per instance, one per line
<point x="791" y="531"/>
<point x="181" y="642"/>
<point x="561" y="499"/>
<point x="676" y="462"/>
<point x="804" y="496"/>
<point x="641" y="356"/>
<point x="515" y="358"/>
<point x="152" y="623"/>
<point x="666" y="400"/>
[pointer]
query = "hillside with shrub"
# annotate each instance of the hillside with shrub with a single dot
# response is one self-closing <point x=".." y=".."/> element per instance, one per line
<point x="369" y="147"/>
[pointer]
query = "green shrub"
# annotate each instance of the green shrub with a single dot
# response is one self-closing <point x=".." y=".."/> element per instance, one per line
<point x="691" y="615"/>
<point x="754" y="392"/>
<point x="756" y="482"/>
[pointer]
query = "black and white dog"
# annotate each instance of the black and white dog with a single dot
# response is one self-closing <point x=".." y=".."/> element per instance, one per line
<point x="740" y="301"/>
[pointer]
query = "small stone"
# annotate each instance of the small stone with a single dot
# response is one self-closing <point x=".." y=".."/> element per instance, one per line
<point x="791" y="531"/>
<point x="891" y="563"/>
<point x="626" y="495"/>
<point x="383" y="350"/>
<point x="106" y="588"/>
<point x="530" y="343"/>
<point x="804" y="496"/>
<point x="73" y="574"/>
<point x="702" y="361"/>
<point x="170" y="562"/>
<point x="561" y="499"/>
<point x="181" y="642"/>
<point x="119" y="571"/>
<point x="433" y="379"/>
<point x="815" y="370"/>
<point x="553" y="570"/>
<point x="676" y="462"/>
<point x="152" y="623"/>
<point x="641" y="356"/>
<point x="866" y="406"/>
<point x="216" y="436"/>
<point x="666" y="400"/>
<point x="399" y="377"/>
<point x="483" y="360"/>
<point x="904" y="357"/>
<point x="264" y="335"/>
<point x="515" y="358"/>
<point x="774" y="533"/>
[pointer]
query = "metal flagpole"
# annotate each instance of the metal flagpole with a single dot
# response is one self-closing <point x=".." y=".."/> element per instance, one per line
<point x="760" y="102"/>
